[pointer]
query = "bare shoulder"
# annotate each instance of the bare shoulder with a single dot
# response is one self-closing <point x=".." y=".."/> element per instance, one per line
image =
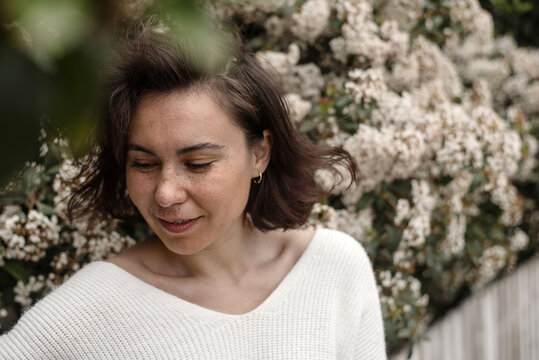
<point x="296" y="241"/>
<point x="129" y="259"/>
<point x="301" y="237"/>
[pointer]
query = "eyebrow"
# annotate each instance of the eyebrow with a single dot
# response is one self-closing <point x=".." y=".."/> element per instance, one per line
<point x="197" y="147"/>
<point x="181" y="151"/>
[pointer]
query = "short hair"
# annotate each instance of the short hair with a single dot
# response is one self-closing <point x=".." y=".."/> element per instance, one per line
<point x="150" y="62"/>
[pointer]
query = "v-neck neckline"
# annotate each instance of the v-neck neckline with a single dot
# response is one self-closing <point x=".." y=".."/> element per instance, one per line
<point x="157" y="294"/>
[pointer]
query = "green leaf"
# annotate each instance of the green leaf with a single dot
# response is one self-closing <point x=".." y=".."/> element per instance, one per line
<point x="402" y="187"/>
<point x="497" y="234"/>
<point x="342" y="102"/>
<point x="365" y="202"/>
<point x="335" y="23"/>
<point x="17" y="270"/>
<point x="365" y="112"/>
<point x="45" y="209"/>
<point x="394" y="236"/>
<point x="404" y="333"/>
<point x="29" y="179"/>
<point x="53" y="26"/>
<point x="410" y="348"/>
<point x="15" y="197"/>
<point x="256" y="43"/>
<point x="476" y="181"/>
<point x="380" y="203"/>
<point x="286" y="10"/>
<point x="348" y="124"/>
<point x="372" y="247"/>
<point x="52" y="157"/>
<point x="53" y="170"/>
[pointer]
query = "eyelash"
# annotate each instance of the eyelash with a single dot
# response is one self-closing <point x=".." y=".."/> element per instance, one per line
<point x="146" y="166"/>
<point x="203" y="166"/>
<point x="141" y="165"/>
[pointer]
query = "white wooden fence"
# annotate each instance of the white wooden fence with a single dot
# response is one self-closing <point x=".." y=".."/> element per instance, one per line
<point x="499" y="323"/>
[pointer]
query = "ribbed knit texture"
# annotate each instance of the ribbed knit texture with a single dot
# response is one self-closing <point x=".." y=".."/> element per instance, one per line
<point x="325" y="308"/>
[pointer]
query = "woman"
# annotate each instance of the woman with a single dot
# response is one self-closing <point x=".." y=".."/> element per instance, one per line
<point x="209" y="160"/>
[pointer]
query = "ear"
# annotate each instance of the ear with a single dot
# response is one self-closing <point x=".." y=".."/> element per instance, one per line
<point x="262" y="153"/>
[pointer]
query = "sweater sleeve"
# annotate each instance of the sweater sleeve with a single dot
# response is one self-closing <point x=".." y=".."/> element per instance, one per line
<point x="27" y="339"/>
<point x="369" y="339"/>
<point x="365" y="329"/>
<point x="37" y="334"/>
<point x="57" y="325"/>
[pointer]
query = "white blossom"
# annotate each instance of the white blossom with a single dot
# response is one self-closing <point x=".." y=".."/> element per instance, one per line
<point x="455" y="241"/>
<point x="472" y="17"/>
<point x="278" y="61"/>
<point x="519" y="240"/>
<point x="506" y="196"/>
<point x="323" y="216"/>
<point x="297" y="106"/>
<point x="404" y="74"/>
<point x="494" y="71"/>
<point x="367" y="86"/>
<point x="492" y="261"/>
<point x="419" y="226"/>
<point x="23" y="292"/>
<point x="275" y="26"/>
<point x="356" y="224"/>
<point x="402" y="211"/>
<point x="404" y="12"/>
<point x="525" y="62"/>
<point x="305" y="80"/>
<point x="338" y="48"/>
<point x="360" y="33"/>
<point x="530" y="159"/>
<point x="530" y="104"/>
<point x="311" y="21"/>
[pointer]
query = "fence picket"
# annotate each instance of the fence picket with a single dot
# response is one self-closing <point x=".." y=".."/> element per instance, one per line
<point x="500" y="322"/>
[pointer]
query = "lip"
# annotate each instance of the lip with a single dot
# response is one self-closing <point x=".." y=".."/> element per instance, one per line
<point x="179" y="228"/>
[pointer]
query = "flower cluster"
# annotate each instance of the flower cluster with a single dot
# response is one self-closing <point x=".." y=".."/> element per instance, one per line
<point x="27" y="236"/>
<point x="393" y="289"/>
<point x="35" y="230"/>
<point x="311" y="20"/>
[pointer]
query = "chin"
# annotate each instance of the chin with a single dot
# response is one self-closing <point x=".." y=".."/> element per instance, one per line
<point x="182" y="245"/>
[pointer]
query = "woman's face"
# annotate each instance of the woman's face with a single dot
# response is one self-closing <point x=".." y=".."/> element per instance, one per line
<point x="189" y="169"/>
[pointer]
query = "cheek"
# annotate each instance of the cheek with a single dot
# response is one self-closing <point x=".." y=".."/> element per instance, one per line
<point x="139" y="188"/>
<point x="237" y="191"/>
<point x="229" y="189"/>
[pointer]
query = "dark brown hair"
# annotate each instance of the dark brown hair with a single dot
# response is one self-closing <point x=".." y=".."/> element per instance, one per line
<point x="149" y="63"/>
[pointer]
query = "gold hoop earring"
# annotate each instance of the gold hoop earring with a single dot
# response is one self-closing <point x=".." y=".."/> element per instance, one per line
<point x="258" y="180"/>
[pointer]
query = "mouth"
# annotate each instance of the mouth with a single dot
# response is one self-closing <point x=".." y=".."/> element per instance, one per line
<point x="179" y="225"/>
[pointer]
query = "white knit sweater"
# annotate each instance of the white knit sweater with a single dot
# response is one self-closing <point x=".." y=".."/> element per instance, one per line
<point x="326" y="308"/>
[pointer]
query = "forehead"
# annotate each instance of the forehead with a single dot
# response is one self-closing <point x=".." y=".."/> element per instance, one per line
<point x="182" y="116"/>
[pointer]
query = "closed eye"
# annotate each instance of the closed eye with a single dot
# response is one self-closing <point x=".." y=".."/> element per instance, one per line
<point x="142" y="165"/>
<point x="196" y="166"/>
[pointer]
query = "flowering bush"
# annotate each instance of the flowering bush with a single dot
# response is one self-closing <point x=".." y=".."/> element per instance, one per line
<point x="39" y="247"/>
<point x="442" y="118"/>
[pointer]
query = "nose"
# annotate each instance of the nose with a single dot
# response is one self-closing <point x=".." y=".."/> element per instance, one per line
<point x="171" y="188"/>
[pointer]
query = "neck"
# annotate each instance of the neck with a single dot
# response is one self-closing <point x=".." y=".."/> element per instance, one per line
<point x="227" y="260"/>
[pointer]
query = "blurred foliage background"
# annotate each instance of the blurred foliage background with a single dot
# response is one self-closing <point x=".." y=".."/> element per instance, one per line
<point x="52" y="53"/>
<point x="518" y="18"/>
